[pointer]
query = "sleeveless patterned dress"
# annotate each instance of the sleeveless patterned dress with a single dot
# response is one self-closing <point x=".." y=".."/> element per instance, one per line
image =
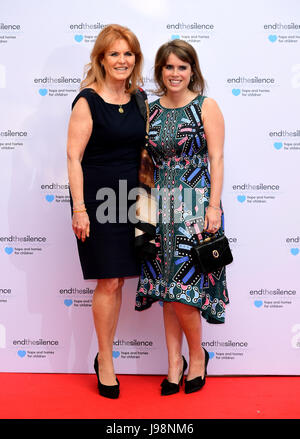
<point x="178" y="147"/>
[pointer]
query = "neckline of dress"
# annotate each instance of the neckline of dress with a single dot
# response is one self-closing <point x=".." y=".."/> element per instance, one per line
<point x="108" y="103"/>
<point x="178" y="108"/>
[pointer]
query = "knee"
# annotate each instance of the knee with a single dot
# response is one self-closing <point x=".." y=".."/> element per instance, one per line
<point x="110" y="286"/>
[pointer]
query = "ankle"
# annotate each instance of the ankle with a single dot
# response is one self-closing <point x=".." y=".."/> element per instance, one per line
<point x="175" y="362"/>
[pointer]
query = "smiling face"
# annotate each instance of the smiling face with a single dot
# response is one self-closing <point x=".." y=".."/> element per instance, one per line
<point x="118" y="61"/>
<point x="176" y="74"/>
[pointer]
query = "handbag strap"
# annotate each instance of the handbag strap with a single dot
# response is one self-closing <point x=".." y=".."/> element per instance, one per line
<point x="143" y="105"/>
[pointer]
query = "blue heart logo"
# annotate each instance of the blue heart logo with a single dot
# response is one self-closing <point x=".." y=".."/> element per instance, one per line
<point x="295" y="251"/>
<point x="43" y="91"/>
<point x="241" y="198"/>
<point x="68" y="302"/>
<point x="272" y="38"/>
<point x="278" y="145"/>
<point x="21" y="353"/>
<point x="49" y="198"/>
<point x="116" y="354"/>
<point x="9" y="250"/>
<point x="211" y="355"/>
<point x="78" y="38"/>
<point x="236" y="91"/>
<point x="175" y="37"/>
<point x="258" y="303"/>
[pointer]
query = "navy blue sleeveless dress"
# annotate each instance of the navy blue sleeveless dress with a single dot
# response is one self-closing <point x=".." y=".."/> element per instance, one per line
<point x="112" y="154"/>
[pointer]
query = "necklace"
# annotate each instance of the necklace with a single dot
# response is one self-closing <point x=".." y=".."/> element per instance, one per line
<point x="185" y="100"/>
<point x="121" y="110"/>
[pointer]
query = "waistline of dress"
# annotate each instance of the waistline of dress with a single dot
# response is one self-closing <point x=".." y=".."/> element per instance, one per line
<point x="183" y="162"/>
<point x="98" y="164"/>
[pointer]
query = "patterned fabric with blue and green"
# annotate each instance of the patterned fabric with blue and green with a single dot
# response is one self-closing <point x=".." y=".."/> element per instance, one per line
<point x="178" y="147"/>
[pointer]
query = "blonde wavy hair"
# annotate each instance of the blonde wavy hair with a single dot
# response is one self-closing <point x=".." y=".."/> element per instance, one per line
<point x="95" y="72"/>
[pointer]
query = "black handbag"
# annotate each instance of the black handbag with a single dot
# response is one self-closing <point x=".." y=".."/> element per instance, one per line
<point x="211" y="254"/>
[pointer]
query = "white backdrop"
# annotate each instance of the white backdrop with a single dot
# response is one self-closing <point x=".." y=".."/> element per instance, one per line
<point x="250" y="56"/>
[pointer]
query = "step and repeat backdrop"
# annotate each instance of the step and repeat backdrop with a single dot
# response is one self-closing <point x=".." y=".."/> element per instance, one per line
<point x="250" y="57"/>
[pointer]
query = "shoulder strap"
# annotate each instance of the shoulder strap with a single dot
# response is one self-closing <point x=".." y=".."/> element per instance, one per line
<point x="201" y="99"/>
<point x="142" y="103"/>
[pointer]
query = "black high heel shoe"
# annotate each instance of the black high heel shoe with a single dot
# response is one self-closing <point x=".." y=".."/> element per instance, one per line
<point x="198" y="382"/>
<point x="168" y="388"/>
<point x="107" y="391"/>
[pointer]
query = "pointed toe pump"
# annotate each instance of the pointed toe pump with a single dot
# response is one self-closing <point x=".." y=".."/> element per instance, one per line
<point x="197" y="383"/>
<point x="168" y="388"/>
<point x="111" y="392"/>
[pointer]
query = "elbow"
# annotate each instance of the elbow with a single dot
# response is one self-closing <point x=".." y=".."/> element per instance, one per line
<point x="217" y="159"/>
<point x="72" y="158"/>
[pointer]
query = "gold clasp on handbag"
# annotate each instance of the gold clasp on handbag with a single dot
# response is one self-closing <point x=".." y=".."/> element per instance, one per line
<point x="215" y="253"/>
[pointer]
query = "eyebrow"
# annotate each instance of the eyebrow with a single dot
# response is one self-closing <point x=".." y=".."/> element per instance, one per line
<point x="125" y="51"/>
<point x="180" y="65"/>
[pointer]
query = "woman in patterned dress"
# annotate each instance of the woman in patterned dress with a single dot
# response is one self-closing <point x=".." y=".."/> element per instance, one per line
<point x="186" y="134"/>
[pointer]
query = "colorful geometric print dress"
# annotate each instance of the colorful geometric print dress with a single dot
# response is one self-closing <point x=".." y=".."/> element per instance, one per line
<point x="178" y="147"/>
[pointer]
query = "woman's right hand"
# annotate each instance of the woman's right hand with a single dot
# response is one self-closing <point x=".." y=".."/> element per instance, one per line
<point x="81" y="225"/>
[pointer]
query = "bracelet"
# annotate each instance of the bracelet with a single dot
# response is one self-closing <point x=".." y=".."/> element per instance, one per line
<point x="214" y="207"/>
<point x="77" y="211"/>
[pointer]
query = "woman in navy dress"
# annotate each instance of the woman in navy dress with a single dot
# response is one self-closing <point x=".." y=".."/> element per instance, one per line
<point x="106" y="133"/>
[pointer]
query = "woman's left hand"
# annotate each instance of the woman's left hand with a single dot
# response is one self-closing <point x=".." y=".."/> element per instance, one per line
<point x="212" y="221"/>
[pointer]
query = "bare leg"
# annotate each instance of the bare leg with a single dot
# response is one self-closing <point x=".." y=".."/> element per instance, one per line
<point x="106" y="307"/>
<point x="190" y="321"/>
<point x="174" y="335"/>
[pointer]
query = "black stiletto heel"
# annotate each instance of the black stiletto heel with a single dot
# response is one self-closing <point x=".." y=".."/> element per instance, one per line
<point x="197" y="383"/>
<point x="168" y="388"/>
<point x="107" y="391"/>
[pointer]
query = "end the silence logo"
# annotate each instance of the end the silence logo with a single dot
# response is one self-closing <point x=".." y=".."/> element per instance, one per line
<point x="258" y="303"/>
<point x="68" y="302"/>
<point x="294" y="251"/>
<point x="286" y="139"/>
<point x="197" y="32"/>
<point x="21" y="353"/>
<point x="49" y="198"/>
<point x="78" y="38"/>
<point x="241" y="198"/>
<point x="272" y="38"/>
<point x="57" y="86"/>
<point x="58" y="197"/>
<point x="236" y="91"/>
<point x="86" y="32"/>
<point x="254" y="86"/>
<point x="8" y="250"/>
<point x="255" y="193"/>
<point x="285" y="33"/>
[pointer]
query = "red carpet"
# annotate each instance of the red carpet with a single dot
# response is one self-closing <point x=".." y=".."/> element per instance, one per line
<point x="72" y="396"/>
